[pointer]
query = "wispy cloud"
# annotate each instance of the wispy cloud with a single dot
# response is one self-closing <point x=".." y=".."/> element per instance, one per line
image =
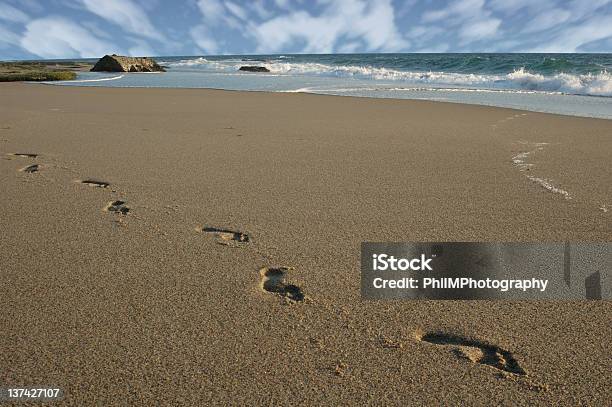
<point x="203" y="39"/>
<point x="470" y="20"/>
<point x="7" y="37"/>
<point x="127" y="14"/>
<point x="79" y="27"/>
<point x="368" y="23"/>
<point x="12" y="14"/>
<point x="582" y="8"/>
<point x="572" y="38"/>
<point x="212" y="11"/>
<point x="546" y="20"/>
<point x="510" y="7"/>
<point x="141" y="48"/>
<point x="57" y="37"/>
<point x="459" y="11"/>
<point x="238" y="11"/>
<point x="479" y="29"/>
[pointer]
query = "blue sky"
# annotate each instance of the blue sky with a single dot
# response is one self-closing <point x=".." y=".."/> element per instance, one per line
<point x="32" y="29"/>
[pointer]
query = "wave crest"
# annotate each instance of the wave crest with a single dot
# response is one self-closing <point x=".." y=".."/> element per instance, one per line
<point x="590" y="84"/>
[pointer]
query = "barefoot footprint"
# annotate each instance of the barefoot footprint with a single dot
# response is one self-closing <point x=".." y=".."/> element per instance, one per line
<point x="273" y="281"/>
<point x="30" y="169"/>
<point x="476" y="351"/>
<point x="118" y="207"/>
<point x="24" y="155"/>
<point x="225" y="236"/>
<point x="95" y="183"/>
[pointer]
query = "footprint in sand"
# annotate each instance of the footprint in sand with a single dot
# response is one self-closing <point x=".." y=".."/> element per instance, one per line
<point x="118" y="207"/>
<point x="273" y="281"/>
<point x="225" y="236"/>
<point x="476" y="351"/>
<point x="31" y="169"/>
<point x="24" y="155"/>
<point x="95" y="183"/>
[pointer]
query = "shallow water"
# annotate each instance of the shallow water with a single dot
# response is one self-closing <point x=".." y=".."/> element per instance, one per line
<point x="574" y="84"/>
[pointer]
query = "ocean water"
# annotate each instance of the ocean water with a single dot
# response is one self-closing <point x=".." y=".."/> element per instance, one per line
<point x="573" y="84"/>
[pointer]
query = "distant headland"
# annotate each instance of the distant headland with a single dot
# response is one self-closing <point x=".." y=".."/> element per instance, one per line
<point x="66" y="70"/>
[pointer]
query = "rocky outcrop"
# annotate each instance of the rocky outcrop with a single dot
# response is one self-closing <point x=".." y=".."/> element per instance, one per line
<point x="118" y="63"/>
<point x="249" y="68"/>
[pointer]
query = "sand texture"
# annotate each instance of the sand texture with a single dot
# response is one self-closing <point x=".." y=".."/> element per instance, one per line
<point x="191" y="247"/>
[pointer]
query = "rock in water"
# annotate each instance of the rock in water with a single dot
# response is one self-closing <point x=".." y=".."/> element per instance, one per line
<point x="117" y="63"/>
<point x="254" y="69"/>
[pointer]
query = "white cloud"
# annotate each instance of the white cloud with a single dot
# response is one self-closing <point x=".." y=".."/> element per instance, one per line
<point x="424" y="32"/>
<point x="461" y="21"/>
<point x="216" y="14"/>
<point x="236" y="10"/>
<point x="349" y="47"/>
<point x="125" y="13"/>
<point x="12" y="14"/>
<point x="260" y="9"/>
<point x="582" y="8"/>
<point x="457" y="10"/>
<point x="204" y="40"/>
<point x="141" y="49"/>
<point x="513" y="6"/>
<point x="479" y="30"/>
<point x="367" y="20"/>
<point x="212" y="10"/>
<point x="8" y="37"/>
<point x="376" y="26"/>
<point x="57" y="37"/>
<point x="572" y="38"/>
<point x="317" y="26"/>
<point x="282" y="3"/>
<point x="281" y="32"/>
<point x="546" y="20"/>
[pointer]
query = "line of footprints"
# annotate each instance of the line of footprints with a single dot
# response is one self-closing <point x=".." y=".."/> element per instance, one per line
<point x="118" y="207"/>
<point x="273" y="279"/>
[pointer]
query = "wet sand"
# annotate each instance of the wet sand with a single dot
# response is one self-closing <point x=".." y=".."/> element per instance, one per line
<point x="213" y="254"/>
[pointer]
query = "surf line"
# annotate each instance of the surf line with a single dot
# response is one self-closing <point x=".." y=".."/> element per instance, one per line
<point x="520" y="161"/>
<point x="112" y="78"/>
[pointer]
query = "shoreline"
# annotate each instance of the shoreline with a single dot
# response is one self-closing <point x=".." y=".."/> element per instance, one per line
<point x="519" y="109"/>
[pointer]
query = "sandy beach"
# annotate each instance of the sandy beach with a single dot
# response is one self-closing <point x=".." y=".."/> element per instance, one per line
<point x="163" y="279"/>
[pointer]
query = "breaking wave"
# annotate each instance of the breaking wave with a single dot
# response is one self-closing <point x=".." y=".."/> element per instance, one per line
<point x="521" y="79"/>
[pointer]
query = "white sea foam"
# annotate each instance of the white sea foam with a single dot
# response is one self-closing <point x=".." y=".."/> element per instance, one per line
<point x="187" y="62"/>
<point x="546" y="184"/>
<point x="520" y="80"/>
<point x="520" y="161"/>
<point x="588" y="84"/>
<point x="300" y="90"/>
<point x="89" y="80"/>
<point x="420" y="89"/>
